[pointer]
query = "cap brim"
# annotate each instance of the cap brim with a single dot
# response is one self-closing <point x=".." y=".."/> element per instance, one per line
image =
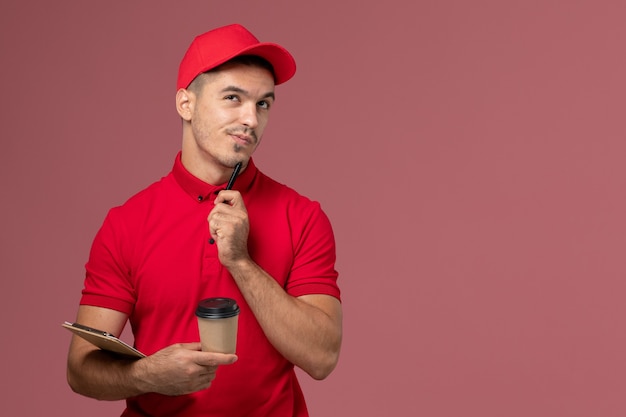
<point x="282" y="61"/>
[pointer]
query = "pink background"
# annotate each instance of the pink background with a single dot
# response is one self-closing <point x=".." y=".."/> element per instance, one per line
<point x="470" y="155"/>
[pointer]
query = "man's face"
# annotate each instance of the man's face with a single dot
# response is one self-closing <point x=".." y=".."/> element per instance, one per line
<point x="230" y="113"/>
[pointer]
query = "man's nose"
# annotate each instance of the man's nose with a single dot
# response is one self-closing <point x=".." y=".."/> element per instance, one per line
<point x="248" y="116"/>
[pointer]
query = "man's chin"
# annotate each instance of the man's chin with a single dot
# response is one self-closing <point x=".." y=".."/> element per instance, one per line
<point x="240" y="158"/>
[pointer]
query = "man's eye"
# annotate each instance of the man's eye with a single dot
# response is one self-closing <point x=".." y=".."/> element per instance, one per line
<point x="264" y="104"/>
<point x="231" y="97"/>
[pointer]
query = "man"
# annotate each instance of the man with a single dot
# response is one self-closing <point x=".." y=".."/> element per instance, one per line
<point x="186" y="238"/>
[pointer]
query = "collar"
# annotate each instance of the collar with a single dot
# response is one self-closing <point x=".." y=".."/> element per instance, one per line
<point x="202" y="191"/>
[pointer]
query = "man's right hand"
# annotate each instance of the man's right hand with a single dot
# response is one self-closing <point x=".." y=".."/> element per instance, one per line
<point x="179" y="369"/>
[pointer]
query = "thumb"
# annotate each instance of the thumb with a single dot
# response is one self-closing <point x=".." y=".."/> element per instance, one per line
<point x="216" y="359"/>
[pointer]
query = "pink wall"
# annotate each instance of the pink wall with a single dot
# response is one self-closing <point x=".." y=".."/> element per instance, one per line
<point x="470" y="155"/>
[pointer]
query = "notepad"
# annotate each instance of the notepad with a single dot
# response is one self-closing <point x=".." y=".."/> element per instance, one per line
<point x="102" y="339"/>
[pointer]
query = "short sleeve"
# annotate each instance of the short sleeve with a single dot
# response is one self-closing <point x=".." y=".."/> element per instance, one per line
<point x="313" y="270"/>
<point x="108" y="271"/>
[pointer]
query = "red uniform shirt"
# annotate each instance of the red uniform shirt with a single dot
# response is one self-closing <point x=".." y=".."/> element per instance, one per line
<point x="152" y="260"/>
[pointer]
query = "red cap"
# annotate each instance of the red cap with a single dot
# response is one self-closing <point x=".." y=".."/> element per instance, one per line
<point x="217" y="46"/>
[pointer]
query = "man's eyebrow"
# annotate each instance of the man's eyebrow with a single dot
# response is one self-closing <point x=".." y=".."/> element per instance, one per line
<point x="235" y="89"/>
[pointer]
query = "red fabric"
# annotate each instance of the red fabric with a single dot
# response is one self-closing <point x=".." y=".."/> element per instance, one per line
<point x="219" y="45"/>
<point x="153" y="261"/>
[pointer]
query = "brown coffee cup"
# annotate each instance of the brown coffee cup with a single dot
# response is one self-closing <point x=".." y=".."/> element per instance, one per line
<point x="217" y="323"/>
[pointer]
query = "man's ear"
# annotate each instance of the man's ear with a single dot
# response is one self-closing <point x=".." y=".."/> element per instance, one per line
<point x="185" y="100"/>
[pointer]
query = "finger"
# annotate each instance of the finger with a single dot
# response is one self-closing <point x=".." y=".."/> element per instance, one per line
<point x="215" y="359"/>
<point x="220" y="214"/>
<point x="221" y="224"/>
<point x="230" y="197"/>
<point x="207" y="373"/>
<point x="218" y="230"/>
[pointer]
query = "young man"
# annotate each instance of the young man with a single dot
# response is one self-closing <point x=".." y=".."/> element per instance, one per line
<point x="186" y="238"/>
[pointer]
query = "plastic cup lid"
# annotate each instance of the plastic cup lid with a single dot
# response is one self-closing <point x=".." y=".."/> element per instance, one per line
<point x="217" y="308"/>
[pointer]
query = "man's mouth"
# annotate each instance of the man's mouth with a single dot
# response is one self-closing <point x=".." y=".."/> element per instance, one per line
<point x="242" y="138"/>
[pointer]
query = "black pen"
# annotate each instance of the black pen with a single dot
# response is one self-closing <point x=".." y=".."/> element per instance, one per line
<point x="229" y="186"/>
<point x="233" y="177"/>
